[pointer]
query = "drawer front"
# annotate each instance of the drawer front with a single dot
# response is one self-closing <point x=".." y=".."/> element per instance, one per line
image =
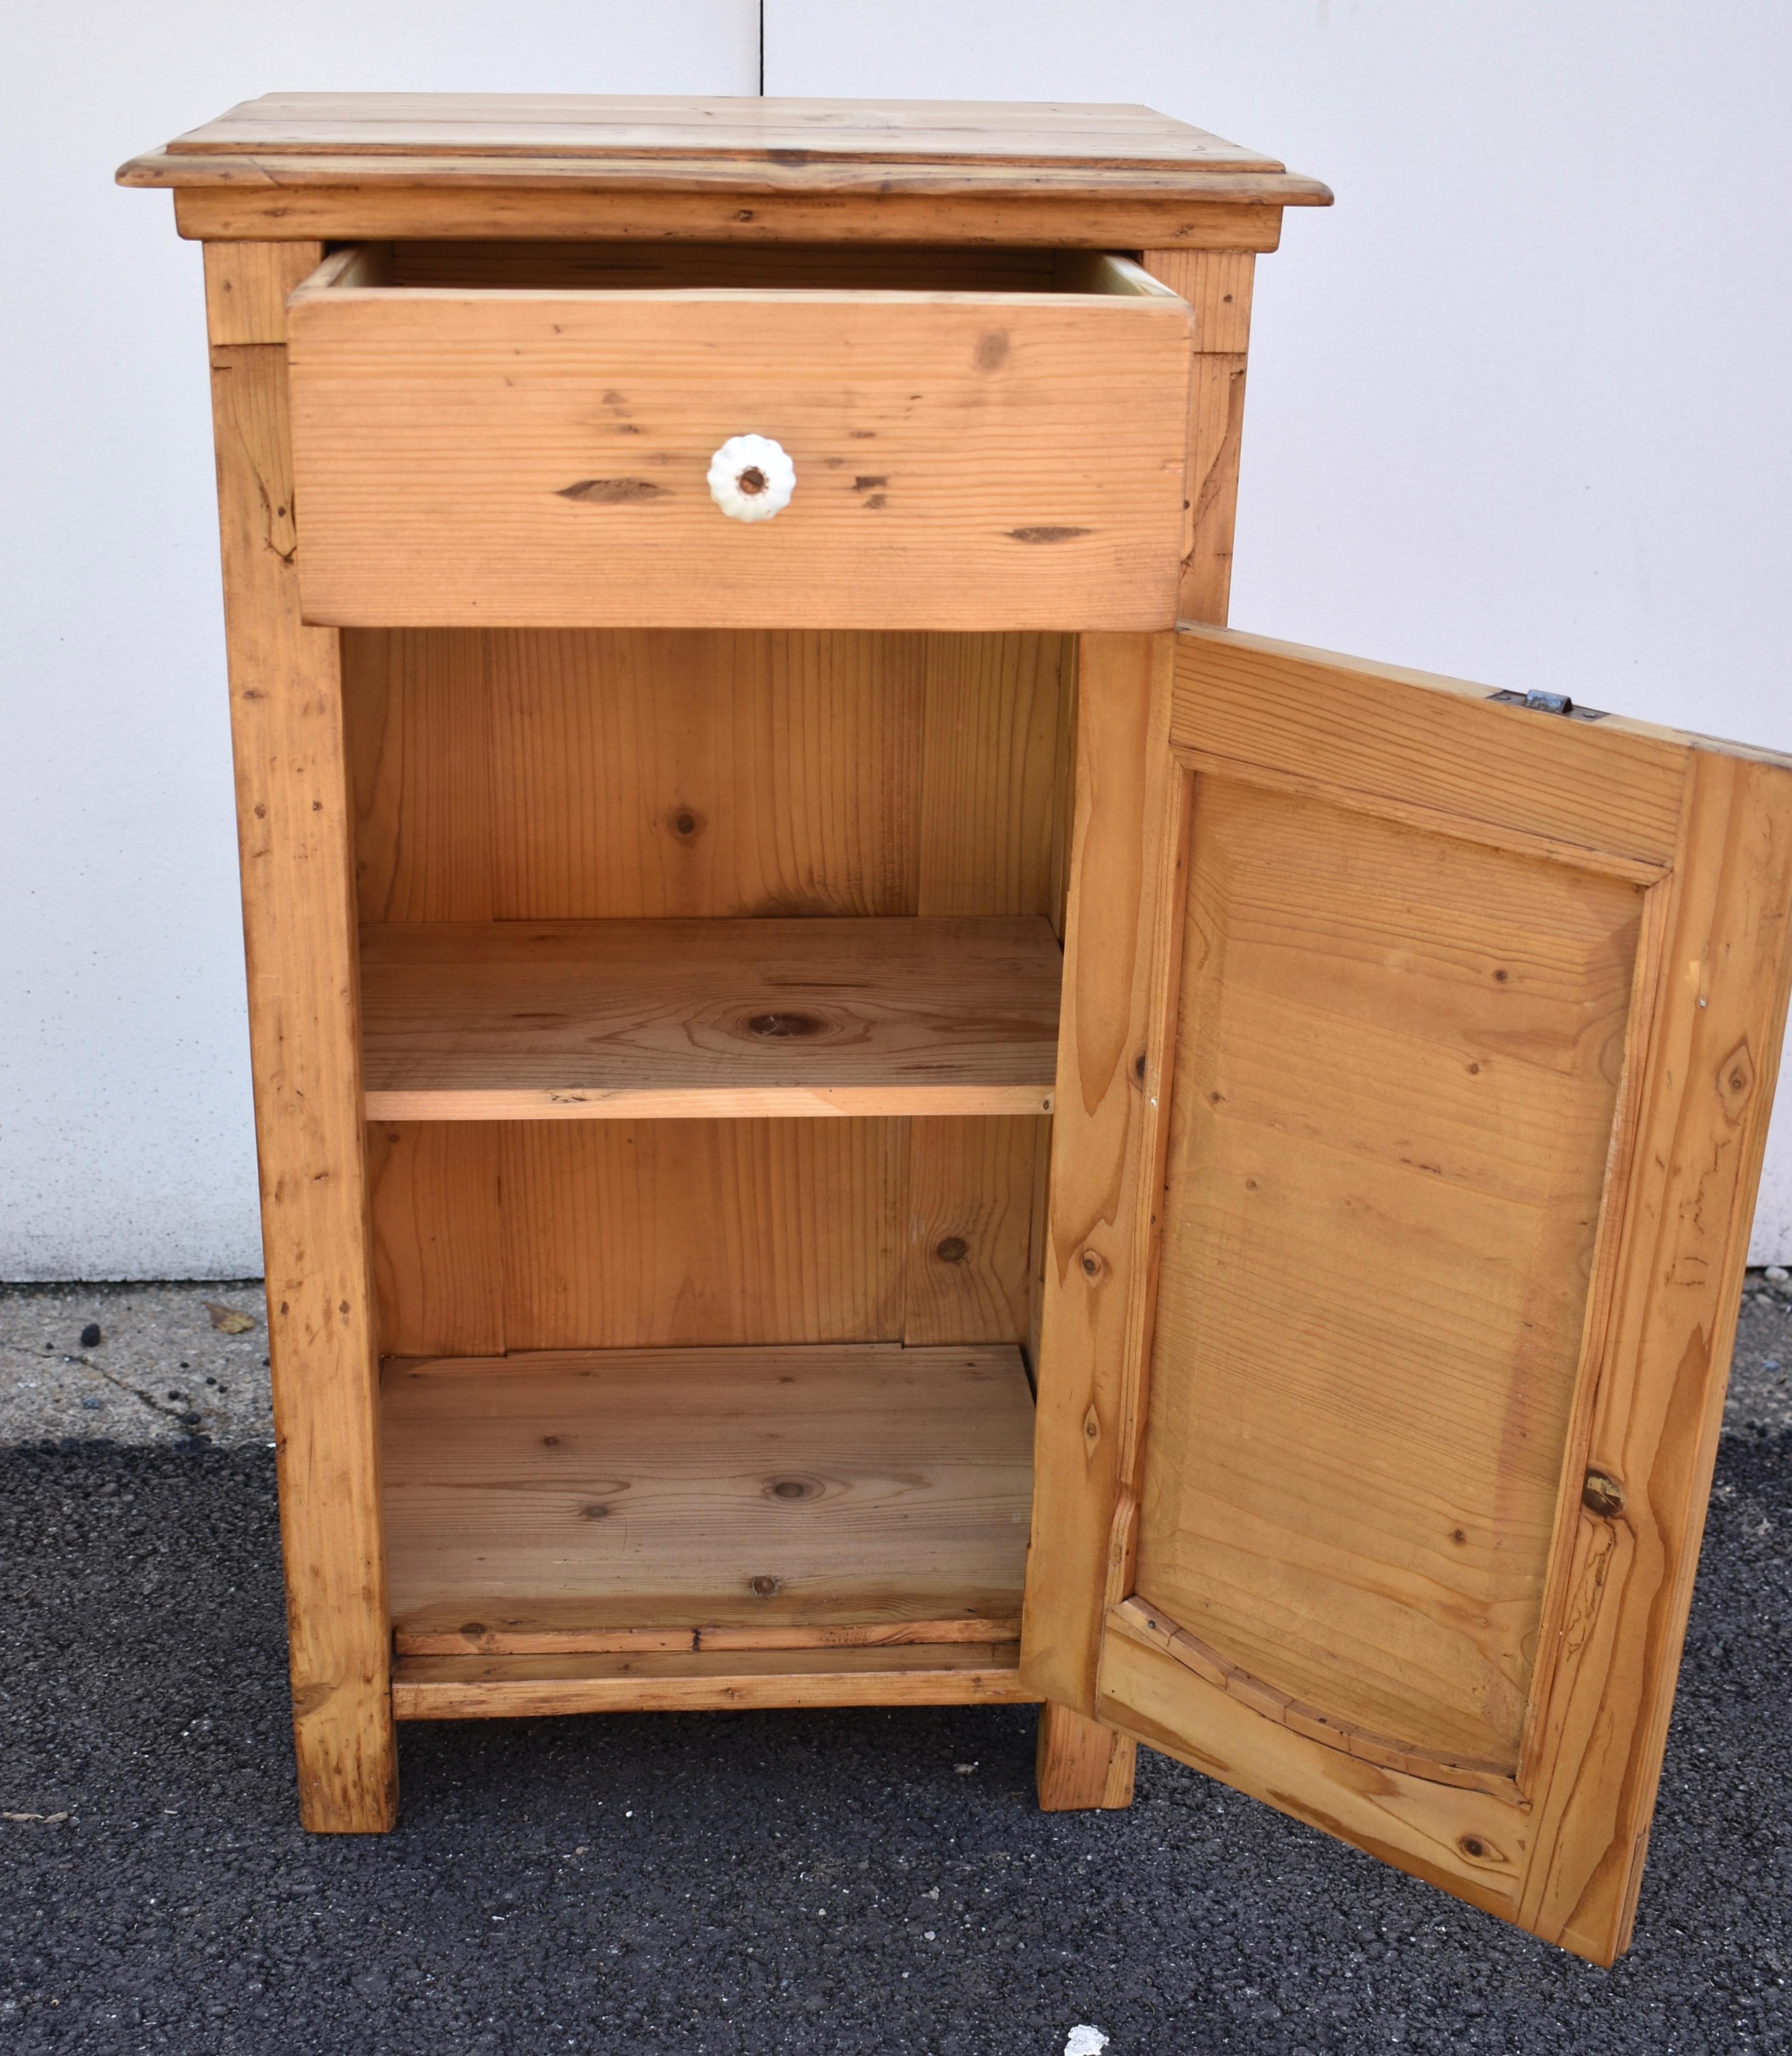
<point x="533" y="458"/>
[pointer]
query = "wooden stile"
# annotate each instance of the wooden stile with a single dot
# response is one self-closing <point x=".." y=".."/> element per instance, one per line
<point x="292" y="813"/>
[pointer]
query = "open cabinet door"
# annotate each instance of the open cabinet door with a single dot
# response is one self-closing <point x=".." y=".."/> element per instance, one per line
<point x="1418" y="1048"/>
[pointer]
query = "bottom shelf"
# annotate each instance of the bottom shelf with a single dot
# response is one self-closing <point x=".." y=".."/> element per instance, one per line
<point x="788" y="1526"/>
<point x="457" y="1688"/>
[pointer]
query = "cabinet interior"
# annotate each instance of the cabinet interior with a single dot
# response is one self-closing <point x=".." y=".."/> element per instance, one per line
<point x="566" y="842"/>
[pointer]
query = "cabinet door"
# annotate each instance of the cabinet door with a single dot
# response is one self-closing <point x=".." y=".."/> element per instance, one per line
<point x="1418" y="1050"/>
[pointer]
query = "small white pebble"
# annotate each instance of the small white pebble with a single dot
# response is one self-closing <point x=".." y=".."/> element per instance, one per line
<point x="1776" y="1274"/>
<point x="964" y="1769"/>
<point x="1085" y="2041"/>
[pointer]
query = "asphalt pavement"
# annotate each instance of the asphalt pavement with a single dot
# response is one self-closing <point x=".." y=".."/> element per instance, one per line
<point x="832" y="1882"/>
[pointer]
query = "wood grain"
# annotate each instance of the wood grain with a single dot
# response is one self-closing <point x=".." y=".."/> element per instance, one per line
<point x="1468" y="1843"/>
<point x="1552" y="992"/>
<point x="616" y="1235"/>
<point x="664" y="1233"/>
<point x="1397" y="1055"/>
<point x="293" y="820"/>
<point x="1099" y="136"/>
<point x="247" y="285"/>
<point x="438" y="1236"/>
<point x="1592" y="792"/>
<point x="418" y="713"/>
<point x="1082" y="1765"/>
<point x="963" y="461"/>
<point x="666" y="773"/>
<point x="754" y="1489"/>
<point x="1217" y="286"/>
<point x="619" y="1020"/>
<point x="1712" y="1054"/>
<point x="622" y="775"/>
<point x="1137" y="1618"/>
<point x="478" y="1638"/>
<point x="354" y="199"/>
<point x="1118" y="959"/>
<point x="547" y="168"/>
<point x="995" y="752"/>
<point x="459" y="1688"/>
<point x="969" y="1273"/>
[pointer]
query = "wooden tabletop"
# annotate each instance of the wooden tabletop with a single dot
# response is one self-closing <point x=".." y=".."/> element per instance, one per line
<point x="667" y="143"/>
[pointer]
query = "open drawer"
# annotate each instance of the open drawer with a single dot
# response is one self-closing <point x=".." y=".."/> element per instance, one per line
<point x="521" y="435"/>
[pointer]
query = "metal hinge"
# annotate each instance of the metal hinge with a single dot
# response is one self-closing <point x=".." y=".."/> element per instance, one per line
<point x="1549" y="703"/>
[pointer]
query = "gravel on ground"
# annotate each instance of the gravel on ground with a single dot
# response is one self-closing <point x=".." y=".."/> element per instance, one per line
<point x="134" y="1363"/>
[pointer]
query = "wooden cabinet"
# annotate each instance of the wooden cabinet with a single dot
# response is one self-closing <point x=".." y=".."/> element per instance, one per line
<point x="793" y="1055"/>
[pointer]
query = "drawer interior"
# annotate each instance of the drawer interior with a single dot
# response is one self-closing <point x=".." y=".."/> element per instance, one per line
<point x="535" y="267"/>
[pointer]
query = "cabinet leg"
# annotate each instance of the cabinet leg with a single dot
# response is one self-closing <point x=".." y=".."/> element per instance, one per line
<point x="1082" y="1764"/>
<point x="348" y="1763"/>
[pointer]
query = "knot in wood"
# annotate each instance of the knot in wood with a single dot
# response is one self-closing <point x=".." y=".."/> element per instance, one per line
<point x="1478" y="1849"/>
<point x="785" y="1027"/>
<point x="952" y="1249"/>
<point x="1603" y="1496"/>
<point x="793" y="1487"/>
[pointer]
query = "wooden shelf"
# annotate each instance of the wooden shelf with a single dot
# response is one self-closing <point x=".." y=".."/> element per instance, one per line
<point x="618" y="1020"/>
<point x="459" y="1688"/>
<point x="570" y="1531"/>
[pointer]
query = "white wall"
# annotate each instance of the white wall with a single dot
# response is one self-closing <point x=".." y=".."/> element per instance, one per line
<point x="125" y="1143"/>
<point x="1519" y="410"/>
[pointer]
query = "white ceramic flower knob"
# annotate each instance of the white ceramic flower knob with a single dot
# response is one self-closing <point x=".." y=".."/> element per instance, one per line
<point x="751" y="478"/>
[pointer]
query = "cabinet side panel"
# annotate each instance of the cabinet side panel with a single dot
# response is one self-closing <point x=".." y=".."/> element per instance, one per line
<point x="299" y="932"/>
<point x="1217" y="285"/>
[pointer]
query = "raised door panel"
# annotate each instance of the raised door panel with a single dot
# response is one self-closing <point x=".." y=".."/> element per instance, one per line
<point x="1453" y="1026"/>
<point x="1396" y="1067"/>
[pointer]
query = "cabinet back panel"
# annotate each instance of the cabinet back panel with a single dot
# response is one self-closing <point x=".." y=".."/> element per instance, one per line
<point x="525" y="775"/>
